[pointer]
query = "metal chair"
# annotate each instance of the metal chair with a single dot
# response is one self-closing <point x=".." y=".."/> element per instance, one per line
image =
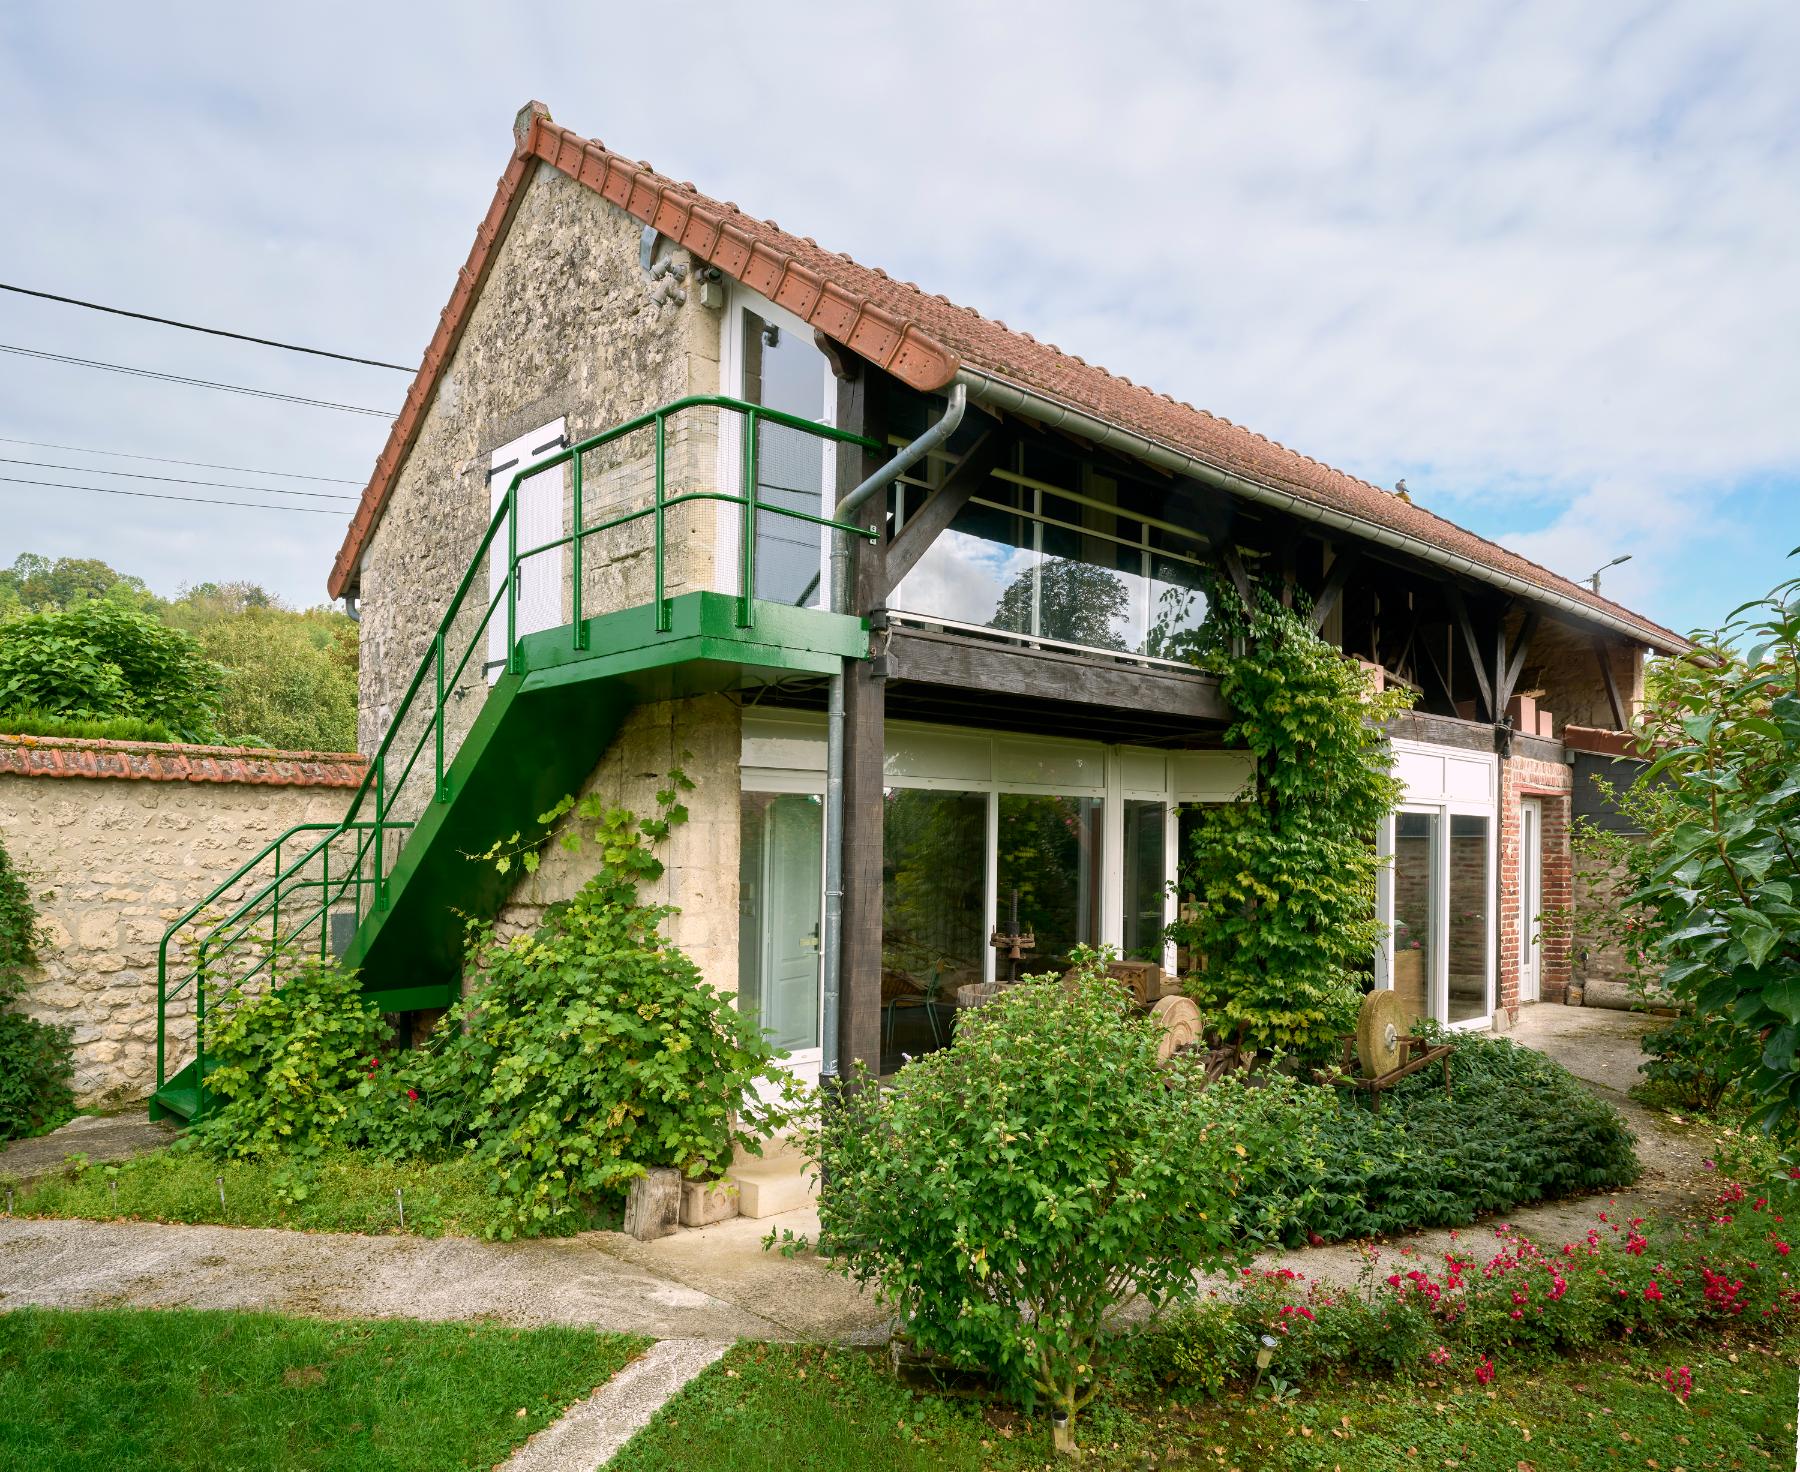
<point x="928" y="999"/>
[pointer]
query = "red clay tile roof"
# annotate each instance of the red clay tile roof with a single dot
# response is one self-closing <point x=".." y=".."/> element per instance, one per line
<point x="921" y="339"/>
<point x="157" y="761"/>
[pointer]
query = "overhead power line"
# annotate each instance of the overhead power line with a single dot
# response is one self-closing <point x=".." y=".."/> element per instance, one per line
<point x="176" y="480"/>
<point x="230" y="388"/>
<point x="267" y="342"/>
<point x="20" y="480"/>
<point x="336" y="480"/>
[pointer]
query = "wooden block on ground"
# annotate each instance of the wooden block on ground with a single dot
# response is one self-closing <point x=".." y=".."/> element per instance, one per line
<point x="653" y="1204"/>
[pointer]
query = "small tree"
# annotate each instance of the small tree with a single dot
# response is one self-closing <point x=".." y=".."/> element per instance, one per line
<point x="1012" y="1194"/>
<point x="1286" y="876"/>
<point x="1725" y="854"/>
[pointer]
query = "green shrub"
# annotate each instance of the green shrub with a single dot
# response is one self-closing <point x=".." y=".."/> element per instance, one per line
<point x="1516" y="1128"/>
<point x="290" y="678"/>
<point x="110" y="728"/>
<point x="36" y="1060"/>
<point x="100" y="659"/>
<point x="288" y="1063"/>
<point x="1688" y="1061"/>
<point x="589" y="1051"/>
<point x="1010" y="1194"/>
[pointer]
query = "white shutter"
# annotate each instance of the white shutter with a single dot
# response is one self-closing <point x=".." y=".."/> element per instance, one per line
<point x="541" y="519"/>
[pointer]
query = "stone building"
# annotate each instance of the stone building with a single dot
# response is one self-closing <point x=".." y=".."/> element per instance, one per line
<point x="593" y="549"/>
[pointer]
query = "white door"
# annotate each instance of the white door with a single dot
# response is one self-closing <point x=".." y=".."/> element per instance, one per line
<point x="1531" y="865"/>
<point x="540" y="515"/>
<point x="780" y="897"/>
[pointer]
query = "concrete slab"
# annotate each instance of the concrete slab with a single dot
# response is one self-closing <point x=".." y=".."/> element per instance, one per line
<point x="104" y="1138"/>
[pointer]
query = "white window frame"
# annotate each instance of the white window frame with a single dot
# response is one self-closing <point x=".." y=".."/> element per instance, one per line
<point x="730" y="468"/>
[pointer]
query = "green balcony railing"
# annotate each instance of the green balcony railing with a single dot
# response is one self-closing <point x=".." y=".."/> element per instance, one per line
<point x="311" y="888"/>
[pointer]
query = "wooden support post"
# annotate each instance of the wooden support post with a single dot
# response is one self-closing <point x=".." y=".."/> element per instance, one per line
<point x="1514" y="665"/>
<point x="1620" y="717"/>
<point x="1233" y="564"/>
<point x="1460" y="610"/>
<point x="865" y="701"/>
<point x="1342" y="565"/>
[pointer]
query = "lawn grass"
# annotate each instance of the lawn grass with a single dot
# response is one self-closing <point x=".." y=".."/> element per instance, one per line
<point x="131" y="1391"/>
<point x="781" y="1407"/>
<point x="343" y="1192"/>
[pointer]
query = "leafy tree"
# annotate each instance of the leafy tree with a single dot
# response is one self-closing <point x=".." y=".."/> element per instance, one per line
<point x="1725" y="852"/>
<point x="289" y="678"/>
<point x="1076" y="601"/>
<point x="99" y="658"/>
<point x="37" y="584"/>
<point x="1287" y="875"/>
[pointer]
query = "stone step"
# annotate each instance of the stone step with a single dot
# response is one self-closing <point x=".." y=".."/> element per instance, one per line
<point x="774" y="1184"/>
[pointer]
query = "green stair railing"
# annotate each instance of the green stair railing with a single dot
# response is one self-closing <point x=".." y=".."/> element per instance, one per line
<point x="311" y="889"/>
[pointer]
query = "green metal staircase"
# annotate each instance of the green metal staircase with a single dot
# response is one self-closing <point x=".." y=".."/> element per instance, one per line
<point x="465" y="762"/>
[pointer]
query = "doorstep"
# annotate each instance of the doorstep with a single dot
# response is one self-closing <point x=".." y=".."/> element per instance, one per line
<point x="780" y="1180"/>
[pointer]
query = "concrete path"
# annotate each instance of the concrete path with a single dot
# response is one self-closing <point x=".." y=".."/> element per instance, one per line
<point x="580" y="1280"/>
<point x="104" y="1139"/>
<point x="594" y="1429"/>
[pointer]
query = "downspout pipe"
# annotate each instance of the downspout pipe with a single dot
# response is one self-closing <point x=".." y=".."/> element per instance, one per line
<point x="832" y="931"/>
<point x="1001" y="393"/>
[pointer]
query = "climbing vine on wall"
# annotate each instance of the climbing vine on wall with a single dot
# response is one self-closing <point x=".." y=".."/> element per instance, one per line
<point x="1286" y="922"/>
<point x="36" y="1063"/>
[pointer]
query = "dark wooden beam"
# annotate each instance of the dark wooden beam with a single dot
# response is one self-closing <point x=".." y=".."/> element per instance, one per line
<point x="1460" y="609"/>
<point x="1620" y="720"/>
<point x="1288" y="575"/>
<point x="1341" y="568"/>
<point x="1429" y="645"/>
<point x="1514" y="665"/>
<point x="963" y="662"/>
<point x="865" y="716"/>
<point x="940" y="508"/>
<point x="1233" y="563"/>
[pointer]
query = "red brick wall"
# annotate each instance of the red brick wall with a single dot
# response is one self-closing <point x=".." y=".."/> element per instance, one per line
<point x="1551" y="783"/>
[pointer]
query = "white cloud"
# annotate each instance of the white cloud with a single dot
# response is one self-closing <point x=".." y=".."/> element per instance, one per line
<point x="1525" y="251"/>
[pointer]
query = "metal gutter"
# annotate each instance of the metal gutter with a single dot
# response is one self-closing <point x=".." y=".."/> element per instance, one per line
<point x="1000" y="393"/>
<point x="832" y="928"/>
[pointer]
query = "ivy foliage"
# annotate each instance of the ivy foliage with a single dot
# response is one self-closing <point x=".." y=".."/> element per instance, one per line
<point x="36" y="1058"/>
<point x="101" y="658"/>
<point x="1286" y="877"/>
<point x="1010" y="1195"/>
<point x="1722" y="896"/>
<point x="586" y="1052"/>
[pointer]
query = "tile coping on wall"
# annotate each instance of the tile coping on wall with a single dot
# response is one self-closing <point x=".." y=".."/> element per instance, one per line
<point x="161" y="761"/>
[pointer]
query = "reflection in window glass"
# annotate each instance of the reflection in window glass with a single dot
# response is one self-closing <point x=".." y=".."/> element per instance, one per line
<point x="1145" y="886"/>
<point x="933" y="921"/>
<point x="1468" y="914"/>
<point x="1415" y="883"/>
<point x="985" y="556"/>
<point x="780" y="855"/>
<point x="1177" y="606"/>
<point x="1050" y="864"/>
<point x="784" y="370"/>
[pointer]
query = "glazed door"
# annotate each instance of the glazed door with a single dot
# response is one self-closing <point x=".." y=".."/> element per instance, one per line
<point x="780" y="900"/>
<point x="1531" y="864"/>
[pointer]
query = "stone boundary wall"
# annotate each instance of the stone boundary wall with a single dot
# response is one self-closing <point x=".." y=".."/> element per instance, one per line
<point x="117" y="839"/>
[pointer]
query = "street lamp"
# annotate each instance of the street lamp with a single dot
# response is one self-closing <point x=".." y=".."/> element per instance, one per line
<point x="1593" y="578"/>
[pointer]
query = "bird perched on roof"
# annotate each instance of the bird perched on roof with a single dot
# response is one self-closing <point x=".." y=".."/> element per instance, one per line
<point x="1400" y="490"/>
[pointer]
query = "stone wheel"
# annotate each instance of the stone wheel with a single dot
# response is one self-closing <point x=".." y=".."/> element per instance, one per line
<point x="1379" y="1027"/>
<point x="1179" y="1020"/>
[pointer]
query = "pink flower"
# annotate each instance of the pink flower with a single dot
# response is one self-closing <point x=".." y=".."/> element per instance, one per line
<point x="413" y="1094"/>
<point x="1484" y="1372"/>
<point x="1680" y="1380"/>
<point x="1653" y="1294"/>
<point x="1439" y="1356"/>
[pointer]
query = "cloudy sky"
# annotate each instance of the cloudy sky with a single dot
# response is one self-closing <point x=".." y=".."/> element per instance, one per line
<point x="1539" y="259"/>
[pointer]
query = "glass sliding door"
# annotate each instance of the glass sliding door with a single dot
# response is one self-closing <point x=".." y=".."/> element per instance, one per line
<point x="1146" y="879"/>
<point x="1415" y="929"/>
<point x="1469" y="928"/>
<point x="934" y="914"/>
<point x="780" y="859"/>
<point x="782" y="369"/>
<point x="1049" y="865"/>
